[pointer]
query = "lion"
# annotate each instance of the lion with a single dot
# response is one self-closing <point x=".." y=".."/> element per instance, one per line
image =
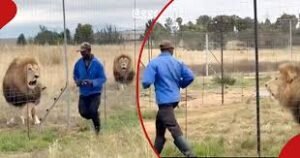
<point x="123" y="70"/>
<point x="21" y="87"/>
<point x="285" y="88"/>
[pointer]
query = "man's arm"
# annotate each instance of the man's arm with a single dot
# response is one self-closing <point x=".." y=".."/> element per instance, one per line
<point x="101" y="77"/>
<point x="76" y="75"/>
<point x="187" y="76"/>
<point x="149" y="76"/>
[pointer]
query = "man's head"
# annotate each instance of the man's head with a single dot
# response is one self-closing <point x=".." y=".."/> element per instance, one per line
<point x="85" y="50"/>
<point x="166" y="45"/>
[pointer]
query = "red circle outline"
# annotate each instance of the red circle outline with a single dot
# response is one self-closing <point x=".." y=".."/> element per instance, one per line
<point x="138" y="74"/>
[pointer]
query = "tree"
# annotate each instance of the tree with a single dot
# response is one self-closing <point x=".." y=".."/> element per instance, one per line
<point x="147" y="27"/>
<point x="109" y="35"/>
<point x="158" y="32"/>
<point x="179" y="21"/>
<point x="268" y="22"/>
<point x="222" y="23"/>
<point x="169" y="24"/>
<point x="84" y="33"/>
<point x="283" y="22"/>
<point x="46" y="36"/>
<point x="203" y="22"/>
<point x="21" y="40"/>
<point x="69" y="38"/>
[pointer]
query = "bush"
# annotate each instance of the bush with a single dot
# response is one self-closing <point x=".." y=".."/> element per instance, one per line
<point x="227" y="80"/>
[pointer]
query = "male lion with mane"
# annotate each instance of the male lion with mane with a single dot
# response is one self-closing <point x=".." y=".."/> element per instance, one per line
<point x="21" y="87"/>
<point x="123" y="70"/>
<point x="285" y="88"/>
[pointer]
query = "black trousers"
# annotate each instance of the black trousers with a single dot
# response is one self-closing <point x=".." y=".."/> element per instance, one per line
<point x="165" y="119"/>
<point x="88" y="108"/>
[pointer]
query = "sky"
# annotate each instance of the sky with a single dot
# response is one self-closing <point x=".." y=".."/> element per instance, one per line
<point x="122" y="13"/>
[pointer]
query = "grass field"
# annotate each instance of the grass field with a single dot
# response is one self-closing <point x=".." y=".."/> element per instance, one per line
<point x="214" y="129"/>
<point x="121" y="134"/>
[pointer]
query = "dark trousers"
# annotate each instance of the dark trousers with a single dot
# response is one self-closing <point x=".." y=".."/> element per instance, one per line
<point x="165" y="119"/>
<point x="88" y="108"/>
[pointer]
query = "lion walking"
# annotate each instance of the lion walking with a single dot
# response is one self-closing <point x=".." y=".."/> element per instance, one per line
<point x="123" y="70"/>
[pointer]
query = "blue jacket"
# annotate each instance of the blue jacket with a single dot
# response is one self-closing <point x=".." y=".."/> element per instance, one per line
<point x="168" y="75"/>
<point x="95" y="73"/>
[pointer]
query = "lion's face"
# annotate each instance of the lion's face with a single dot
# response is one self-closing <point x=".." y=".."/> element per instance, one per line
<point x="282" y="80"/>
<point x="33" y="73"/>
<point x="273" y="85"/>
<point x="124" y="63"/>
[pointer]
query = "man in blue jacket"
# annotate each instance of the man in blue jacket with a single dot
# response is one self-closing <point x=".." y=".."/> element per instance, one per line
<point x="168" y="75"/>
<point x="89" y="76"/>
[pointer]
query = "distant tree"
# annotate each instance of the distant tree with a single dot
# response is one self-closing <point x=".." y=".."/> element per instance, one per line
<point x="158" y="32"/>
<point x="179" y="21"/>
<point x="46" y="36"/>
<point x="169" y="24"/>
<point x="203" y="22"/>
<point x="21" y="40"/>
<point x="69" y="38"/>
<point x="222" y="23"/>
<point x="109" y="35"/>
<point x="268" y="22"/>
<point x="147" y="26"/>
<point x="283" y="22"/>
<point x="84" y="33"/>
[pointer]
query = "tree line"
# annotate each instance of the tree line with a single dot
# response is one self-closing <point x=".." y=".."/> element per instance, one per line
<point x="83" y="32"/>
<point x="191" y="34"/>
<point x="232" y="27"/>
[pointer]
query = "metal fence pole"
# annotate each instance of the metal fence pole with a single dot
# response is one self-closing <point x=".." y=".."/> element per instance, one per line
<point x="222" y="66"/>
<point x="257" y="80"/>
<point x="186" y="112"/>
<point x="66" y="64"/>
<point x="206" y="53"/>
<point x="134" y="26"/>
<point x="291" y="40"/>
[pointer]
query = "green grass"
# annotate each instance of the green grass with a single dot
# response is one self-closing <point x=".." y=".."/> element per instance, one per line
<point x="207" y="147"/>
<point x="17" y="141"/>
<point x="120" y="136"/>
<point x="149" y="114"/>
<point x="240" y="81"/>
<point x="124" y="118"/>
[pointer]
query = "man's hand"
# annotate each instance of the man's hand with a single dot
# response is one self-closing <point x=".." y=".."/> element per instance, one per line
<point x="78" y="82"/>
<point x="87" y="83"/>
